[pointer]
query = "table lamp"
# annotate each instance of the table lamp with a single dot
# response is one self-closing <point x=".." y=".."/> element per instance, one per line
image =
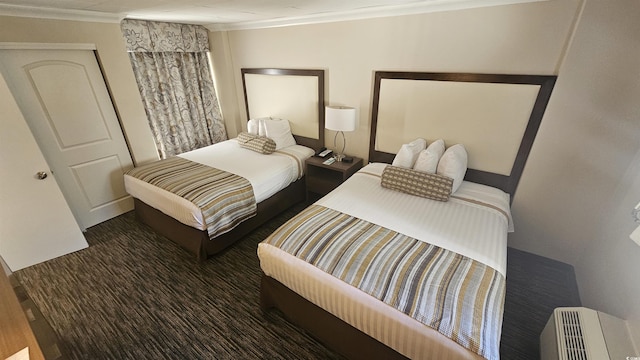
<point x="340" y="119"/>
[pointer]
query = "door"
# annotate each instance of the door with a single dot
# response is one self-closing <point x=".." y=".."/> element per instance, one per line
<point x="36" y="223"/>
<point x="65" y="102"/>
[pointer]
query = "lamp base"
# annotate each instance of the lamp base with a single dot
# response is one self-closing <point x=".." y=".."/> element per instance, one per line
<point x="339" y="157"/>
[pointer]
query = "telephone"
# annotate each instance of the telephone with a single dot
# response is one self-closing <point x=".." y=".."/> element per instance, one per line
<point x="323" y="152"/>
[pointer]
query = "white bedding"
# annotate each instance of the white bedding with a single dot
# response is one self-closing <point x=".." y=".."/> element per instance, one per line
<point x="267" y="174"/>
<point x="482" y="235"/>
<point x="463" y="224"/>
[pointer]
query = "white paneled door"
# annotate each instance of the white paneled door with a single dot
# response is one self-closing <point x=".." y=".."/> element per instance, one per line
<point x="65" y="102"/>
<point x="35" y="221"/>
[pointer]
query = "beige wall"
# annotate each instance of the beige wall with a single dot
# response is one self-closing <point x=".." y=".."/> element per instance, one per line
<point x="527" y="38"/>
<point x="582" y="179"/>
<point x="113" y="59"/>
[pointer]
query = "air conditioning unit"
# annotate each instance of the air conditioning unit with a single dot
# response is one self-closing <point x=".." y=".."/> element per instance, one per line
<point x="578" y="333"/>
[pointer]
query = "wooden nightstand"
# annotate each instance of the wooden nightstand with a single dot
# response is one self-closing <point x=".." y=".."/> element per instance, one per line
<point x="321" y="178"/>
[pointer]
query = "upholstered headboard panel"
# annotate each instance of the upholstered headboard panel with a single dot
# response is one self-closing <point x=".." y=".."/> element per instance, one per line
<point x="293" y="94"/>
<point x="496" y="118"/>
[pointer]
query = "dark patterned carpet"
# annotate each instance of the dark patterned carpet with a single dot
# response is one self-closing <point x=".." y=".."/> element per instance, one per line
<point x="135" y="295"/>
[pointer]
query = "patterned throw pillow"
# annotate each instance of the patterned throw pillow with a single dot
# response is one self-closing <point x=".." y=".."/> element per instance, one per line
<point x="260" y="144"/>
<point x="431" y="186"/>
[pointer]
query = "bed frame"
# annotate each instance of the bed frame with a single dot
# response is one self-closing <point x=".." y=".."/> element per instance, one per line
<point x="197" y="241"/>
<point x="334" y="332"/>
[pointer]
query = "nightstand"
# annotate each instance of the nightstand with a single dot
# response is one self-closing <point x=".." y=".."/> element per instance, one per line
<point x="321" y="178"/>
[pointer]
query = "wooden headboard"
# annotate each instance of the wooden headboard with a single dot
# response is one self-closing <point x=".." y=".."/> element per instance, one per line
<point x="496" y="117"/>
<point x="296" y="95"/>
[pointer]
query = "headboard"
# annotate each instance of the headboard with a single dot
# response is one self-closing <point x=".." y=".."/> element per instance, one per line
<point x="496" y="118"/>
<point x="296" y="95"/>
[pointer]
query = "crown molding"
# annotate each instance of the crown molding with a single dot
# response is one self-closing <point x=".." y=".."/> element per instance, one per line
<point x="360" y="14"/>
<point x="59" y="14"/>
<point x="366" y="13"/>
<point x="45" y="46"/>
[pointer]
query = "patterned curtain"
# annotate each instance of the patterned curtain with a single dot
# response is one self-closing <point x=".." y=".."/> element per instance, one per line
<point x="171" y="65"/>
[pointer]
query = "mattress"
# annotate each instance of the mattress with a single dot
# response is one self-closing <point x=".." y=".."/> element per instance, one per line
<point x="473" y="223"/>
<point x="267" y="174"/>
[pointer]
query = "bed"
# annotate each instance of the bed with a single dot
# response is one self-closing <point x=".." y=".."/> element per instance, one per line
<point x="257" y="186"/>
<point x="378" y="273"/>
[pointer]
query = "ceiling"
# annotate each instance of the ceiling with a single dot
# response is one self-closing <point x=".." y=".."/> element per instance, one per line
<point x="233" y="14"/>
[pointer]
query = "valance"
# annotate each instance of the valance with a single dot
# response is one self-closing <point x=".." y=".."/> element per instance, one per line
<point x="151" y="36"/>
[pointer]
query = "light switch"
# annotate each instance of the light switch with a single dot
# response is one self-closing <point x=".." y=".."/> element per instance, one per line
<point x="635" y="235"/>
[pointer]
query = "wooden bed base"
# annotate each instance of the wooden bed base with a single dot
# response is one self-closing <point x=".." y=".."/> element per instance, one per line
<point x="197" y="241"/>
<point x="326" y="327"/>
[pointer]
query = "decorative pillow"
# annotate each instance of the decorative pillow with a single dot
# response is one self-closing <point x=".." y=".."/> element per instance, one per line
<point x="453" y="164"/>
<point x="280" y="132"/>
<point x="431" y="186"/>
<point x="260" y="144"/>
<point x="428" y="158"/>
<point x="408" y="153"/>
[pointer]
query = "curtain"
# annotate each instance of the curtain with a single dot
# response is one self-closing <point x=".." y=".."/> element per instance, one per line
<point x="171" y="65"/>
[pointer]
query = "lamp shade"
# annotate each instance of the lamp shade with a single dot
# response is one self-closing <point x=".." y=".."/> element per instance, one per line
<point x="340" y="118"/>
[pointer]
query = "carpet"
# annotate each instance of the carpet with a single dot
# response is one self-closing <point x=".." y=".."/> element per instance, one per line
<point x="136" y="295"/>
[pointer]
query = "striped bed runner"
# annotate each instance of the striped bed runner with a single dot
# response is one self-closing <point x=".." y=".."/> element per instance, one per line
<point x="225" y="199"/>
<point x="459" y="297"/>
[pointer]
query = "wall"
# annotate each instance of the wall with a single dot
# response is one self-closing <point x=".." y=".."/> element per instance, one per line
<point x="528" y="38"/>
<point x="575" y="199"/>
<point x="597" y="107"/>
<point x="113" y="59"/>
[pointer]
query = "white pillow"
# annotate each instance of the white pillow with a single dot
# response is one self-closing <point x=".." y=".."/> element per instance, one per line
<point x="453" y="164"/>
<point x="280" y="132"/>
<point x="428" y="158"/>
<point x="408" y="153"/>
<point x="253" y="126"/>
<point x="257" y="127"/>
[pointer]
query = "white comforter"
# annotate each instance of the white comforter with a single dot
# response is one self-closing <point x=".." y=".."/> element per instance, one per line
<point x="267" y="174"/>
<point x="485" y="210"/>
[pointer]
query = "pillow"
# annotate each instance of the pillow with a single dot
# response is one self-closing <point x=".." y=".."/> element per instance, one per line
<point x="453" y="164"/>
<point x="253" y="126"/>
<point x="431" y="186"/>
<point x="256" y="126"/>
<point x="408" y="153"/>
<point x="260" y="144"/>
<point x="280" y="132"/>
<point x="428" y="159"/>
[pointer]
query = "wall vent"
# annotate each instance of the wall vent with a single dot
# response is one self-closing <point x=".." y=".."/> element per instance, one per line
<point x="583" y="334"/>
<point x="571" y="336"/>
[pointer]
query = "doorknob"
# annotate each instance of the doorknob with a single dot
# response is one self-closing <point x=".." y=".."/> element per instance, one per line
<point x="41" y="175"/>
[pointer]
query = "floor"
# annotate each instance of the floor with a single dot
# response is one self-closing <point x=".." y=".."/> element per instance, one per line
<point x="535" y="286"/>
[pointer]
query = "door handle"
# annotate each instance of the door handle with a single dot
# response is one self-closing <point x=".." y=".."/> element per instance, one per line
<point x="41" y="175"/>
